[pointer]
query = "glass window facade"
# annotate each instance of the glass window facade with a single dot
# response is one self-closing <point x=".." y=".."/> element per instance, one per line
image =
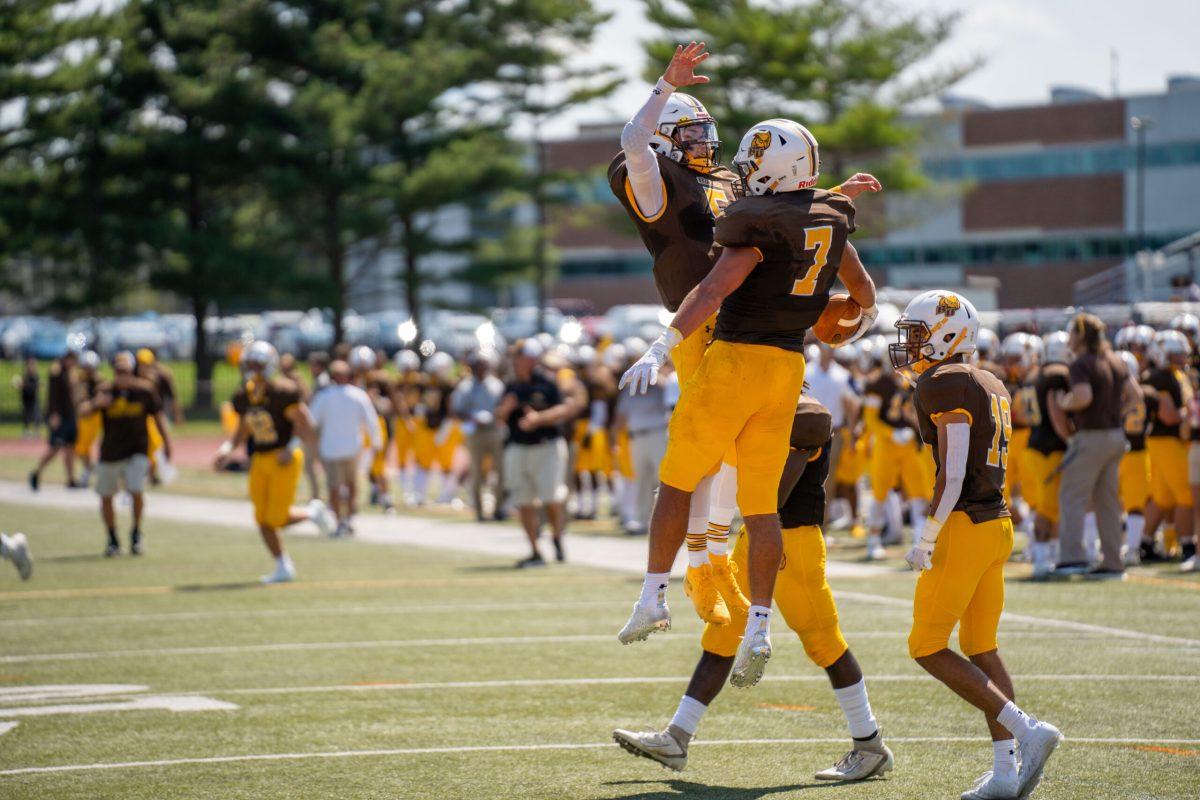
<point x="1058" y="162"/>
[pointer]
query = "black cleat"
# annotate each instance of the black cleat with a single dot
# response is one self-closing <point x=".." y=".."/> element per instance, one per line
<point x="112" y="550"/>
<point x="34" y="480"/>
<point x="534" y="560"/>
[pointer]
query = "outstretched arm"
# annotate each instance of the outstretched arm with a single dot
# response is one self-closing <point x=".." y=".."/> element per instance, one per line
<point x="641" y="163"/>
<point x="858" y="283"/>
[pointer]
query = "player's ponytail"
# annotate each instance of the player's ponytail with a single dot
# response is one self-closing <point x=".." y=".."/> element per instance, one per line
<point x="1089" y="330"/>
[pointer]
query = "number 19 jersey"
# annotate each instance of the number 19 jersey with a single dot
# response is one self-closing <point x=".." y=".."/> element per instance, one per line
<point x="961" y="387"/>
<point x="800" y="237"/>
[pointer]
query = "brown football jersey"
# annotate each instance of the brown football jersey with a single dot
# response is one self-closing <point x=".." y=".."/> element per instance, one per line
<point x="265" y="410"/>
<point x="123" y="420"/>
<point x="961" y="387"/>
<point x="1170" y="382"/>
<point x="893" y="399"/>
<point x="1138" y="420"/>
<point x="680" y="236"/>
<point x="800" y="237"/>
<point x="1053" y="377"/>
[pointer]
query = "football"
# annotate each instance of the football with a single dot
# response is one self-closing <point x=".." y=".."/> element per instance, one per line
<point x="838" y="320"/>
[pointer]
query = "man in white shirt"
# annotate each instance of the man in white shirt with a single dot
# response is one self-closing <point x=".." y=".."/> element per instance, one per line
<point x="474" y="402"/>
<point x="829" y="383"/>
<point x="343" y="413"/>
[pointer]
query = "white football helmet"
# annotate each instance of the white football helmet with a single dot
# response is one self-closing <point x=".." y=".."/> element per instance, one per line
<point x="1187" y="324"/>
<point x="1058" y="351"/>
<point x="687" y="133"/>
<point x="440" y="364"/>
<point x="1019" y="347"/>
<point x="1131" y="363"/>
<point x="935" y="326"/>
<point x="407" y="361"/>
<point x="777" y="155"/>
<point x="988" y="344"/>
<point x="362" y="358"/>
<point x="1123" y="338"/>
<point x="261" y="358"/>
<point x="1170" y="348"/>
<point x="89" y="360"/>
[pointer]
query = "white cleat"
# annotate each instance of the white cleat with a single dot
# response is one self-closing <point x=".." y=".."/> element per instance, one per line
<point x="668" y="747"/>
<point x="751" y="661"/>
<point x="322" y="517"/>
<point x="284" y="573"/>
<point x="991" y="787"/>
<point x="1035" y="749"/>
<point x="868" y="759"/>
<point x="644" y="621"/>
<point x="1191" y="565"/>
<point x="18" y="551"/>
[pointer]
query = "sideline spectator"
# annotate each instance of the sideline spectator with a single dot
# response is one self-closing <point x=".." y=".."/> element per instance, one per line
<point x="829" y="384"/>
<point x="318" y="367"/>
<point x="644" y="417"/>
<point x="28" y="384"/>
<point x="474" y="402"/>
<point x="60" y="418"/>
<point x="126" y="404"/>
<point x="1101" y="388"/>
<point x="343" y="414"/>
<point x="535" y="458"/>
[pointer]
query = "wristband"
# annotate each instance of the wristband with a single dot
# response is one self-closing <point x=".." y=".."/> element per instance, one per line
<point x="664" y="86"/>
<point x="837" y="189"/>
<point x="671" y="337"/>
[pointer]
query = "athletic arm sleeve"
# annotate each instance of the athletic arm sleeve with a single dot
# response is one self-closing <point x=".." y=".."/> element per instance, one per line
<point x="958" y="443"/>
<point x="641" y="162"/>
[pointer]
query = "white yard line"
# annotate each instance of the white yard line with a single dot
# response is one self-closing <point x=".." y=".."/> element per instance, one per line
<point x="519" y="748"/>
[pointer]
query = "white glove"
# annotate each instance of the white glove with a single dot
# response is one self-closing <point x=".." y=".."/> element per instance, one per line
<point x="864" y="325"/>
<point x="920" y="557"/>
<point x="903" y="435"/>
<point x="644" y="374"/>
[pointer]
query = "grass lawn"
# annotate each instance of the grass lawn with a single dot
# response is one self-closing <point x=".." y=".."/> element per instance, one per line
<point x="387" y="665"/>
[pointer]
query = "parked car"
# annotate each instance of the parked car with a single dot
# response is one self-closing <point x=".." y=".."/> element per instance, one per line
<point x="395" y="330"/>
<point x="519" y="322"/>
<point x="457" y="332"/>
<point x="641" y="320"/>
<point x="17" y="331"/>
<point x="48" y="341"/>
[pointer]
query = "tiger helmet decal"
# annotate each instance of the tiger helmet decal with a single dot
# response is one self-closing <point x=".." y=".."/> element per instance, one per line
<point x="947" y="305"/>
<point x="760" y="143"/>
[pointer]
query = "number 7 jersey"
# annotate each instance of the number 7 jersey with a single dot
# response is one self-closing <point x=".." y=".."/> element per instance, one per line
<point x="980" y="395"/>
<point x="800" y="237"/>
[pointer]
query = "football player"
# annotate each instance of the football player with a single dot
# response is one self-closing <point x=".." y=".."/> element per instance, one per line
<point x="1043" y="458"/>
<point x="126" y="404"/>
<point x="380" y="388"/>
<point x="807" y="604"/>
<point x="408" y="364"/>
<point x="1166" y="441"/>
<point x="89" y="424"/>
<point x="1019" y="353"/>
<point x="784" y="244"/>
<point x="436" y="434"/>
<point x="274" y="417"/>
<point x="669" y="179"/>
<point x="896" y="457"/>
<point x="964" y="413"/>
<point x="1134" y="475"/>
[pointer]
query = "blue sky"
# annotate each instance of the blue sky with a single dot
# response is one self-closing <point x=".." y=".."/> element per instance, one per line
<point x="1030" y="45"/>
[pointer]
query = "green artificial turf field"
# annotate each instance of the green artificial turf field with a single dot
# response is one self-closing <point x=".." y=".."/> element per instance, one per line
<point x="390" y="672"/>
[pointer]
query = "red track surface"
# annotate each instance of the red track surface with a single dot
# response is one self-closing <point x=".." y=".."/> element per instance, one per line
<point x="190" y="451"/>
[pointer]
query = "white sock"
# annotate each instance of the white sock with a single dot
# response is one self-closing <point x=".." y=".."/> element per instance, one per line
<point x="1041" y="554"/>
<point x="284" y="561"/>
<point x="759" y="619"/>
<point x="1135" y="525"/>
<point x="874" y="540"/>
<point x="894" y="510"/>
<point x="5" y="546"/>
<point x="688" y="715"/>
<point x="917" y="509"/>
<point x="723" y="506"/>
<point x="654" y="588"/>
<point x="1016" y="720"/>
<point x="876" y="518"/>
<point x="857" y="708"/>
<point x="697" y="550"/>
<point x="421" y="484"/>
<point x="1004" y="759"/>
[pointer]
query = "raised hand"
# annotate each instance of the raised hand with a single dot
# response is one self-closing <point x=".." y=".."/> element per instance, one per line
<point x="682" y="69"/>
<point x="860" y="182"/>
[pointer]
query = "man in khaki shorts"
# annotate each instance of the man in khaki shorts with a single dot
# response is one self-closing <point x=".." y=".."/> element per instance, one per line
<point x="125" y="404"/>
<point x="535" y="457"/>
<point x="343" y="416"/>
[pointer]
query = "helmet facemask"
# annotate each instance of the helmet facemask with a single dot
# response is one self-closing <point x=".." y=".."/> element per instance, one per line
<point x="695" y="141"/>
<point x="912" y="352"/>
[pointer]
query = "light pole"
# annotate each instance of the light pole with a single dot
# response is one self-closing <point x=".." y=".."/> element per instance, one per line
<point x="1140" y="125"/>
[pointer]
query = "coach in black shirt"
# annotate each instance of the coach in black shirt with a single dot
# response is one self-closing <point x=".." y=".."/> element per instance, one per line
<point x="535" y="457"/>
